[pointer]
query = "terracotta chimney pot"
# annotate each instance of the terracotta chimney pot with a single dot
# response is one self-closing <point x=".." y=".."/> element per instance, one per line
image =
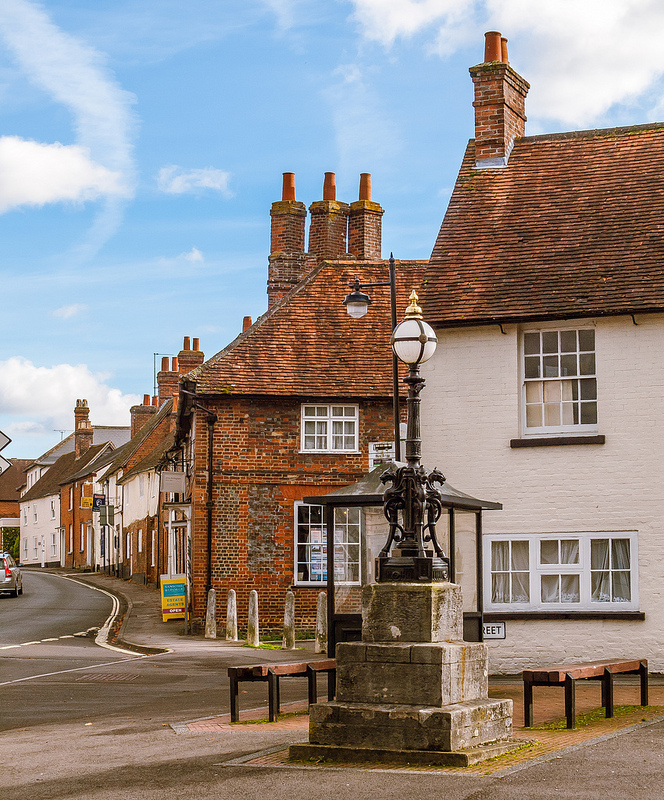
<point x="196" y="347"/>
<point x="503" y="50"/>
<point x="246" y="324"/>
<point x="330" y="186"/>
<point x="146" y="399"/>
<point x="288" y="190"/>
<point x="365" y="186"/>
<point x="187" y="344"/>
<point x="493" y="49"/>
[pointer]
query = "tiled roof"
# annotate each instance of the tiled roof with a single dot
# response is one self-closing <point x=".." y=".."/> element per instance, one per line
<point x="306" y="344"/>
<point x="61" y="472"/>
<point x="152" y="459"/>
<point x="572" y="227"/>
<point x="116" y="434"/>
<point x="13" y="478"/>
<point x="124" y="455"/>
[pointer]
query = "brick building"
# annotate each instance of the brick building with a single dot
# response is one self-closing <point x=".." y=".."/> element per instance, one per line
<point x="546" y="287"/>
<point x="290" y="408"/>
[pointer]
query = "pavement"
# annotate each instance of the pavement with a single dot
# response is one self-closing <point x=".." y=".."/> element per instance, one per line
<point x="138" y="628"/>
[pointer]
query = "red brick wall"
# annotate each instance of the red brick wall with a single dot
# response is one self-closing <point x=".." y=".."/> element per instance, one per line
<point x="258" y="475"/>
<point x="365" y="230"/>
<point x="328" y="229"/>
<point x="500" y="109"/>
<point x="75" y="516"/>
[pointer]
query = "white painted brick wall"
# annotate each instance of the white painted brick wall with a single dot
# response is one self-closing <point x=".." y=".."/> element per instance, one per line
<point x="470" y="411"/>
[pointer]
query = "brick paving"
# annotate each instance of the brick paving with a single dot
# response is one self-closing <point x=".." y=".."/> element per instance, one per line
<point x="545" y="739"/>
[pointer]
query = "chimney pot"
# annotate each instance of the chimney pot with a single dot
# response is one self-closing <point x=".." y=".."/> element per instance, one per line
<point x="146" y="399"/>
<point x="330" y="186"/>
<point x="288" y="190"/>
<point x="196" y="344"/>
<point x="246" y="324"/>
<point x="187" y="343"/>
<point x="174" y="367"/>
<point x="493" y="50"/>
<point x="164" y="364"/>
<point x="155" y="401"/>
<point x="503" y="50"/>
<point x="365" y="186"/>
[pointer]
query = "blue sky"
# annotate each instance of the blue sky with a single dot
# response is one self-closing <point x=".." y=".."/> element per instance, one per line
<point x="142" y="143"/>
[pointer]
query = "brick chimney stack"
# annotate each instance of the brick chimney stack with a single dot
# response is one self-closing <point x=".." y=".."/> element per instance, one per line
<point x="83" y="431"/>
<point x="288" y="262"/>
<point x="500" y="104"/>
<point x="141" y="414"/>
<point x="189" y="358"/>
<point x="365" y="224"/>
<point x="329" y="223"/>
<point x="168" y="380"/>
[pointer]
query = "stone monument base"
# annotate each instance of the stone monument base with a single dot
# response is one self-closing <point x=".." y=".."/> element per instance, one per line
<point x="423" y="758"/>
<point x="407" y="727"/>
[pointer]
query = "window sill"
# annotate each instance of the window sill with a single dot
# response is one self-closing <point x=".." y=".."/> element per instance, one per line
<point x="553" y="441"/>
<point x="501" y="616"/>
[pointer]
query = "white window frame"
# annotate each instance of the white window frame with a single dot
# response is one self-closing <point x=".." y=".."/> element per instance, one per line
<point x="53" y="544"/>
<point x="84" y="531"/>
<point x="325" y="414"/>
<point x="576" y="429"/>
<point x="536" y="570"/>
<point x="25" y="547"/>
<point x="52" y="509"/>
<point x="34" y="514"/>
<point x="140" y="540"/>
<point x="71" y="539"/>
<point x="343" y="546"/>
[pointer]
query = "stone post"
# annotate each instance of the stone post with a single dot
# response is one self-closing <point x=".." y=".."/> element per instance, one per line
<point x="211" y="615"/>
<point x="253" y="636"/>
<point x="231" y="617"/>
<point x="321" y="624"/>
<point x="288" y="638"/>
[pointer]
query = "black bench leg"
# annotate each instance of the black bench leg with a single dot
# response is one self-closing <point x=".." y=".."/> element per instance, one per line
<point x="570" y="704"/>
<point x="643" y="677"/>
<point x="235" y="708"/>
<point x="312" y="689"/>
<point x="607" y="692"/>
<point x="331" y="684"/>
<point x="527" y="704"/>
<point x="273" y="694"/>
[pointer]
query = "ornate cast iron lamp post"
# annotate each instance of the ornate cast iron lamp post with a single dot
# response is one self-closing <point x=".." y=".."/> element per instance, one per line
<point x="413" y="496"/>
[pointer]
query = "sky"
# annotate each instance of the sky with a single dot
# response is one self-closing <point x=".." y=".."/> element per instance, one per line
<point x="142" y="143"/>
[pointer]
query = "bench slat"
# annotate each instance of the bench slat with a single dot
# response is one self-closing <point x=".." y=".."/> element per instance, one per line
<point x="556" y="675"/>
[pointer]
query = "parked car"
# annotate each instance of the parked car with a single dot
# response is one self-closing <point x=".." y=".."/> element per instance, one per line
<point x="11" y="579"/>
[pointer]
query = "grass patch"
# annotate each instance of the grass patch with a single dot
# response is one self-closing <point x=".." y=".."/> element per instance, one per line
<point x="591" y="717"/>
<point x="262" y="646"/>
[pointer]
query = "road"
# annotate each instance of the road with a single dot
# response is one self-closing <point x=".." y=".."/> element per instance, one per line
<point x="80" y="721"/>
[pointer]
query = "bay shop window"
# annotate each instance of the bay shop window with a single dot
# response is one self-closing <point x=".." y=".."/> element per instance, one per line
<point x="561" y="572"/>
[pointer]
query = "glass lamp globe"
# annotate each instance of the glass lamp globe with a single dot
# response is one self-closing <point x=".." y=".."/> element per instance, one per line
<point x="357" y="303"/>
<point x="414" y="340"/>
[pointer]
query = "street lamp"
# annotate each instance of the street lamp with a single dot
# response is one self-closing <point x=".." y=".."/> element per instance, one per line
<point x="413" y="495"/>
<point x="357" y="303"/>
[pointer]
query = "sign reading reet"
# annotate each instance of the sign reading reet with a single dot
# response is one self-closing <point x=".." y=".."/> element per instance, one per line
<point x="493" y="630"/>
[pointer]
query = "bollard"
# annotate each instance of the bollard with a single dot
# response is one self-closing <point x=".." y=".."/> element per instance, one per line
<point x="321" y="624"/>
<point x="211" y="615"/>
<point x="253" y="636"/>
<point x="231" y="617"/>
<point x="288" y="638"/>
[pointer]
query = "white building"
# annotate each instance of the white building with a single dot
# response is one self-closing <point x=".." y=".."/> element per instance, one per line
<point x="546" y="290"/>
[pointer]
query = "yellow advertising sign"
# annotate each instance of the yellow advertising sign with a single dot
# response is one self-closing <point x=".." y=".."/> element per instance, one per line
<point x="86" y="502"/>
<point x="173" y="597"/>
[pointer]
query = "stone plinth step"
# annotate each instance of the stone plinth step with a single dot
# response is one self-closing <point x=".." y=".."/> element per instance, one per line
<point x="423" y="758"/>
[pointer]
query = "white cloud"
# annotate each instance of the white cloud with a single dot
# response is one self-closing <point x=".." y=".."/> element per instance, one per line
<point x="35" y="174"/>
<point x="194" y="255"/>
<point x="175" y="180"/>
<point x="581" y="58"/>
<point x="67" y="312"/>
<point x="75" y="75"/>
<point x="47" y="395"/>
<point x="365" y="134"/>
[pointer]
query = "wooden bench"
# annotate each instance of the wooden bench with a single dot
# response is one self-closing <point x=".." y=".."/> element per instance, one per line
<point x="272" y="673"/>
<point x="568" y="675"/>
